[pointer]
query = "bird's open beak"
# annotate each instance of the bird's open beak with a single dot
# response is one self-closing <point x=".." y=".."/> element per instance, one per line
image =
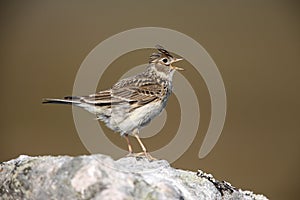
<point x="174" y="67"/>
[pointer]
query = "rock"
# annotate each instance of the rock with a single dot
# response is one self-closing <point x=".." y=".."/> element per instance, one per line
<point x="100" y="177"/>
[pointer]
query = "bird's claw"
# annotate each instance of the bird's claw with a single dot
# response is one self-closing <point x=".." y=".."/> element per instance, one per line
<point x="143" y="154"/>
<point x="130" y="154"/>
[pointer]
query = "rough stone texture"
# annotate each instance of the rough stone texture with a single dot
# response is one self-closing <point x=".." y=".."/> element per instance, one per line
<point x="100" y="177"/>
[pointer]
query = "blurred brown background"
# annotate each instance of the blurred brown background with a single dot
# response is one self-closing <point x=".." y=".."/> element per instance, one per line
<point x="255" y="44"/>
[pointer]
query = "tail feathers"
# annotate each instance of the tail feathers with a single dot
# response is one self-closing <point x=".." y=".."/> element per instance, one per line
<point x="62" y="101"/>
<point x="72" y="98"/>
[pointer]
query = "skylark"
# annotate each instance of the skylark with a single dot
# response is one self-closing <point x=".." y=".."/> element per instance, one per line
<point x="132" y="102"/>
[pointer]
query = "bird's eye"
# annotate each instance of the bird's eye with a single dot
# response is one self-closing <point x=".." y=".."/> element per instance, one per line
<point x="165" y="60"/>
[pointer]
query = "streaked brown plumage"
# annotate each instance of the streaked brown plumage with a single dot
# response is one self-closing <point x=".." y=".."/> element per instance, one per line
<point x="132" y="102"/>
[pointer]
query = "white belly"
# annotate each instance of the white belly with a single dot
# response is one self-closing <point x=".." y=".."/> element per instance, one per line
<point x="136" y="119"/>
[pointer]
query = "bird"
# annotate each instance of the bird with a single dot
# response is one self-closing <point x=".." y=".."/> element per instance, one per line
<point x="131" y="103"/>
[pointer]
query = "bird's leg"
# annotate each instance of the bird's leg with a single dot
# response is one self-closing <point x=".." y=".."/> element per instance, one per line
<point x="143" y="147"/>
<point x="129" y="145"/>
<point x="140" y="142"/>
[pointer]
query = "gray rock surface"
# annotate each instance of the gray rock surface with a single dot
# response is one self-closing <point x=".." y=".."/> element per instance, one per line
<point x="100" y="177"/>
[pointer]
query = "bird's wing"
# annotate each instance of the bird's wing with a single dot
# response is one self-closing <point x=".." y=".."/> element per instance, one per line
<point x="140" y="95"/>
<point x="129" y="93"/>
<point x="101" y="98"/>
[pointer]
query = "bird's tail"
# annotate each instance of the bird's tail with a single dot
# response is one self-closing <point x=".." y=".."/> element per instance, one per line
<point x="67" y="100"/>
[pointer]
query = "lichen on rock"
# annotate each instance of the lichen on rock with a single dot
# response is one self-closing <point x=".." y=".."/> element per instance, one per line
<point x="100" y="177"/>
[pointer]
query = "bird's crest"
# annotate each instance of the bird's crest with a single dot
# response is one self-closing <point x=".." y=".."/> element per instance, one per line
<point x="162" y="52"/>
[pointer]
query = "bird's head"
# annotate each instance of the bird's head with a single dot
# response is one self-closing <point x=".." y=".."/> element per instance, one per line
<point x="163" y="60"/>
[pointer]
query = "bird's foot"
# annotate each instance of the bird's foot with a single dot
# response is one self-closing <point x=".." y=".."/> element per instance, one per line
<point x="130" y="154"/>
<point x="145" y="154"/>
